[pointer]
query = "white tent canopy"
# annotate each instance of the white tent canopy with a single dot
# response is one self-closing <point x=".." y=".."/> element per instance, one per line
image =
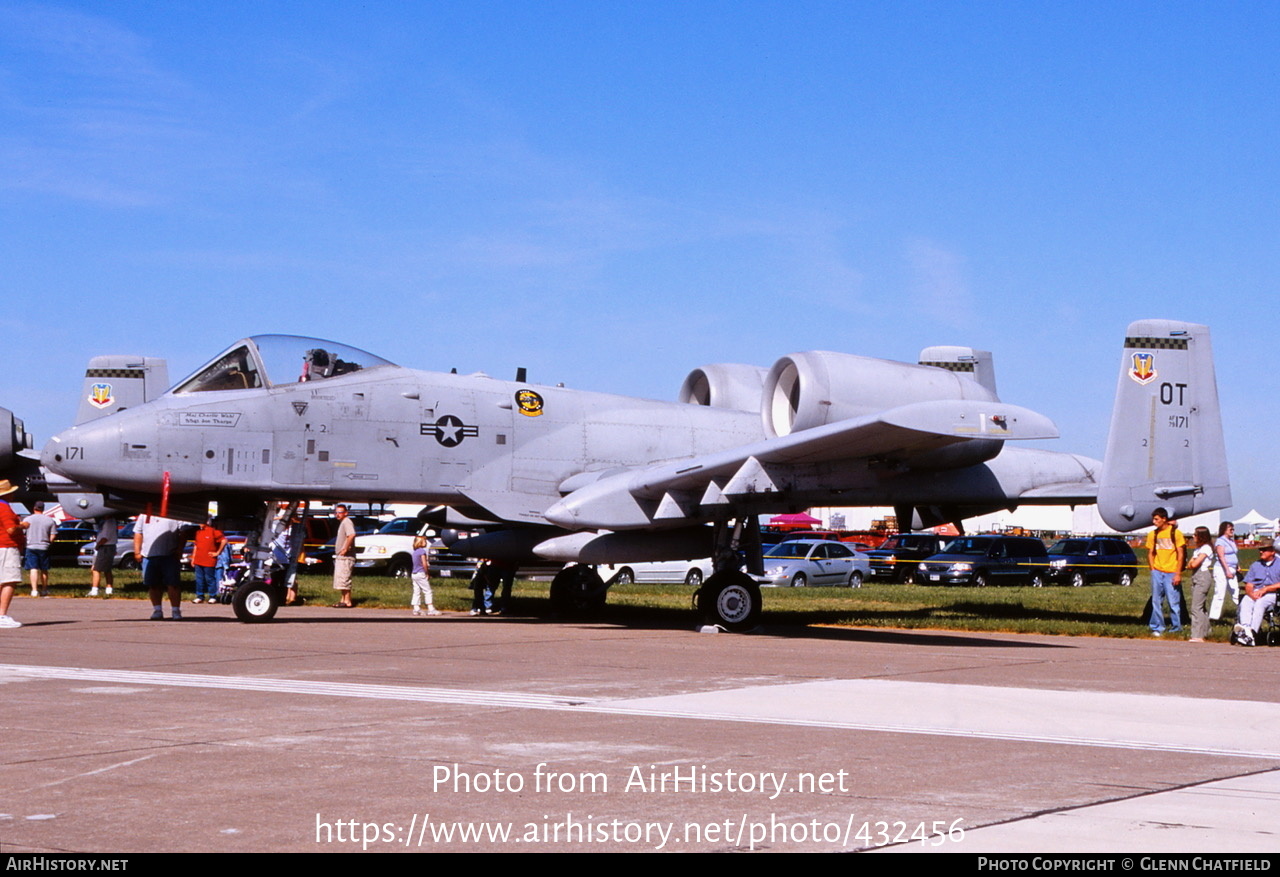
<point x="1255" y="523"/>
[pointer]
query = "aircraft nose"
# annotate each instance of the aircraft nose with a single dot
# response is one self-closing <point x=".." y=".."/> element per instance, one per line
<point x="86" y="454"/>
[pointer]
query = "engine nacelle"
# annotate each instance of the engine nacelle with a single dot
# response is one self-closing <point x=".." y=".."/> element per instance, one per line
<point x="13" y="438"/>
<point x="811" y="389"/>
<point x="724" y="385"/>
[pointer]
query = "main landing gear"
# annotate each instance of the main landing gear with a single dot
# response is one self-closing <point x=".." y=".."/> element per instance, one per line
<point x="578" y="590"/>
<point x="729" y="598"/>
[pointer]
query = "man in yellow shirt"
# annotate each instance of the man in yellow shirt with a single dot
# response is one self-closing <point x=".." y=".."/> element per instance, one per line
<point x="1166" y="553"/>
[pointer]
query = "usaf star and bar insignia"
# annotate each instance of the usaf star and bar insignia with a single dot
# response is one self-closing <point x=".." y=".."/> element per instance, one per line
<point x="448" y="430"/>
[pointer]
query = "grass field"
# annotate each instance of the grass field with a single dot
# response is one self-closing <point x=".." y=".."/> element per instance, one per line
<point x="1096" y="610"/>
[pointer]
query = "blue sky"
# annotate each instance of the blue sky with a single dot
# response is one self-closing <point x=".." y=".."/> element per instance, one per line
<point x="613" y="193"/>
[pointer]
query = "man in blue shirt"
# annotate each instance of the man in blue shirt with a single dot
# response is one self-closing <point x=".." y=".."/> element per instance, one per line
<point x="1261" y="583"/>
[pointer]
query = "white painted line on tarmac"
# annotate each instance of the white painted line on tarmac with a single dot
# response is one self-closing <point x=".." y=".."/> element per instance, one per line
<point x="294" y="686"/>
<point x="89" y="773"/>
<point x="1243" y="729"/>
<point x="1204" y="726"/>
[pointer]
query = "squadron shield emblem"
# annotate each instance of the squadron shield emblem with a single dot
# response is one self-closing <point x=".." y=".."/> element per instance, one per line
<point x="100" y="395"/>
<point x="529" y="403"/>
<point x="1144" y="368"/>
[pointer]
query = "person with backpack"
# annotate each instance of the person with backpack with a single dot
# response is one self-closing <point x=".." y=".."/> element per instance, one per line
<point x="1166" y="555"/>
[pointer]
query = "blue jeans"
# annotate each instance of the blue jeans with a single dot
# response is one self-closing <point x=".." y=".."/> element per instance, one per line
<point x="1162" y="589"/>
<point x="206" y="581"/>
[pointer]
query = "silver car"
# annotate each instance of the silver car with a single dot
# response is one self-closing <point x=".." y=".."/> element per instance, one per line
<point x="798" y="563"/>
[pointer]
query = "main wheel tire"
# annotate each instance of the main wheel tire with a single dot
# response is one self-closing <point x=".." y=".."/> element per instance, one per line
<point x="1077" y="580"/>
<point x="625" y="576"/>
<point x="694" y="578"/>
<point x="855" y="579"/>
<point x="799" y="580"/>
<point x="128" y="561"/>
<point x="1126" y="579"/>
<point x="1037" y="580"/>
<point x="256" y="602"/>
<point x="400" y="566"/>
<point x="578" y="590"/>
<point x="981" y="580"/>
<point x="731" y="600"/>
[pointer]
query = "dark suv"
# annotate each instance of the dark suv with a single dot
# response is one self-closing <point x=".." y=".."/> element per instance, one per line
<point x="987" y="560"/>
<point x="1081" y="561"/>
<point x="899" y="556"/>
<point x="71" y="537"/>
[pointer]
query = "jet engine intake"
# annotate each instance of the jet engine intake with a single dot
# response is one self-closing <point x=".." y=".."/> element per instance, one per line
<point x="811" y="389"/>
<point x="724" y="385"/>
<point x="13" y="438"/>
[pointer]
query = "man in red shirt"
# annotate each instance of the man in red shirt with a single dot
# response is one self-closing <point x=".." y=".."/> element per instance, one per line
<point x="204" y="560"/>
<point x="11" y="543"/>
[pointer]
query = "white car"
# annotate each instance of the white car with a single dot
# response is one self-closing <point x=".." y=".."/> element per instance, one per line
<point x="390" y="550"/>
<point x="691" y="572"/>
<point x="798" y="563"/>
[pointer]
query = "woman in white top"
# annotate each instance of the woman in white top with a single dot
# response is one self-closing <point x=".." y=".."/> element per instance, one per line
<point x="1203" y="560"/>
<point x="1224" y="571"/>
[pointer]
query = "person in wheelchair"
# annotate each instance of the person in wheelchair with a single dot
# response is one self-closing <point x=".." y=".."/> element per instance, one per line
<point x="1261" y="583"/>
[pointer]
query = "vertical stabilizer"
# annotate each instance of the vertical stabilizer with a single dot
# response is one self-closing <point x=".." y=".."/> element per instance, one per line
<point x="977" y="364"/>
<point x="113" y="383"/>
<point x="1165" y="447"/>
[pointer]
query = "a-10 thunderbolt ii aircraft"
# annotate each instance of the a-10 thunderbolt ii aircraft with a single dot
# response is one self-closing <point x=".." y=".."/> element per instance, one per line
<point x="587" y="478"/>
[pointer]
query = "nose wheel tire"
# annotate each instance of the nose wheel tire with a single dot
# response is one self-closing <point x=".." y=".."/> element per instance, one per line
<point x="256" y="602"/>
<point x="731" y="600"/>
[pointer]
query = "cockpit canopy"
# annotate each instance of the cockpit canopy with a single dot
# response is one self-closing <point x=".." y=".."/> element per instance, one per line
<point x="274" y="360"/>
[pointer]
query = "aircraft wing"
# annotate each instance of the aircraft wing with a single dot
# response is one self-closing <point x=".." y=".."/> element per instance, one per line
<point x="626" y="500"/>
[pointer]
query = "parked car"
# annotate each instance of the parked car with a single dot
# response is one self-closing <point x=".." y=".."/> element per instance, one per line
<point x="124" y="549"/>
<point x="1082" y="561"/>
<point x="988" y="560"/>
<point x="317" y="543"/>
<point x="691" y="572"/>
<point x="389" y="550"/>
<point x="797" y="563"/>
<point x="71" y="536"/>
<point x="898" y="557"/>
